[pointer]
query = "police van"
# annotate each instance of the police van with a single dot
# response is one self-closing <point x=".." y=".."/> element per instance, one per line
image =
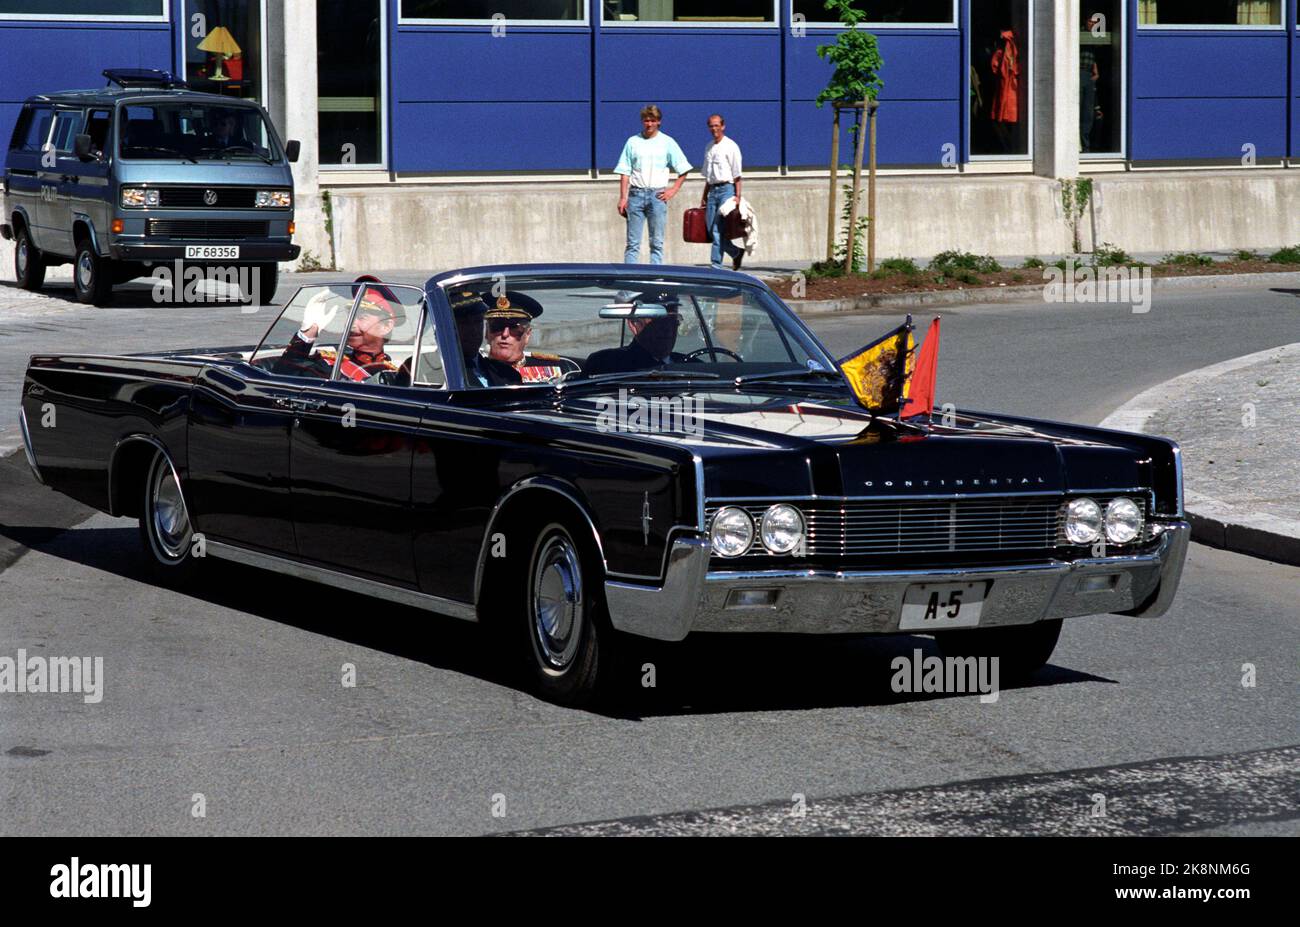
<point x="142" y="173"/>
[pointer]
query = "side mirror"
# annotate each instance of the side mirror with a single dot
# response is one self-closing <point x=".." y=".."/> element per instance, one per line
<point x="292" y="149"/>
<point x="81" y="148"/>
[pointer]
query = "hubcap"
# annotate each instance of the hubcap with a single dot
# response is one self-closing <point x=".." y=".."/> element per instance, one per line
<point x="22" y="255"/>
<point x="171" y="521"/>
<point x="85" y="270"/>
<point x="557" y="602"/>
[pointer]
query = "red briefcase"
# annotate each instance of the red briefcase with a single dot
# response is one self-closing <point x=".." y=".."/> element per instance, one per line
<point x="694" y="227"/>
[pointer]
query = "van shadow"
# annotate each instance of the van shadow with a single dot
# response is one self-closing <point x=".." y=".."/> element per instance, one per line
<point x="706" y="674"/>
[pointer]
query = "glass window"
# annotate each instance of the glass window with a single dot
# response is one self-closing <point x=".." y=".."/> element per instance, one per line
<point x="429" y="370"/>
<point x="1000" y="76"/>
<point x="98" y="124"/>
<point x="223" y="47"/>
<point x="494" y="9"/>
<point x="304" y="340"/>
<point x="898" y="11"/>
<point x="1101" y="68"/>
<point x="201" y="131"/>
<point x="1211" y="13"/>
<point x="67" y="126"/>
<point x="688" y="11"/>
<point x="349" y="81"/>
<point x="33" y="128"/>
<point x="592" y="326"/>
<point x="83" y="9"/>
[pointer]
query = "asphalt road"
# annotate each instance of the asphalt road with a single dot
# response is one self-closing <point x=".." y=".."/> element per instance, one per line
<point x="231" y="690"/>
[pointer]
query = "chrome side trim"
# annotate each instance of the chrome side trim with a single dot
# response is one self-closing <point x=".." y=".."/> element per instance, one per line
<point x="666" y="613"/>
<point x="1178" y="477"/>
<point x="370" y="587"/>
<point x="28" y="450"/>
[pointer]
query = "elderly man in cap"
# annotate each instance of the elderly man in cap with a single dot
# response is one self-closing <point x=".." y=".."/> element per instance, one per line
<point x="364" y="357"/>
<point x="510" y="328"/>
<point x="653" y="340"/>
<point x="469" y="309"/>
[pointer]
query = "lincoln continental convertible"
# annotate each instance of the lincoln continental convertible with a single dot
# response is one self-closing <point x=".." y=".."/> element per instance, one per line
<point x="583" y="456"/>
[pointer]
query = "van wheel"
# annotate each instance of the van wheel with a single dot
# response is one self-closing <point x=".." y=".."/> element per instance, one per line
<point x="92" y="275"/>
<point x="165" y="527"/>
<point x="29" y="264"/>
<point x="264" y="279"/>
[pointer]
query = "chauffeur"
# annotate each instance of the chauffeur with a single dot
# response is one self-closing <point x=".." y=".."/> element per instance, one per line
<point x="510" y="328"/>
<point x="653" y="340"/>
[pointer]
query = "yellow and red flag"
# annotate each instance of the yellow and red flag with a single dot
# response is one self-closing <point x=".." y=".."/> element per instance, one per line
<point x="878" y="373"/>
<point x="919" y="392"/>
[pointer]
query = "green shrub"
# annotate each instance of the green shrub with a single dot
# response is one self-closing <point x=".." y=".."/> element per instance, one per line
<point x="1246" y="255"/>
<point x="1034" y="263"/>
<point x="826" y="269"/>
<point x="1187" y="259"/>
<point x="953" y="263"/>
<point x="893" y="267"/>
<point x="1108" y="255"/>
<point x="1288" y="255"/>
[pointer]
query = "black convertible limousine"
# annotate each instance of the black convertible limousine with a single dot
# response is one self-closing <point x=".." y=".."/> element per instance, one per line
<point x="580" y="455"/>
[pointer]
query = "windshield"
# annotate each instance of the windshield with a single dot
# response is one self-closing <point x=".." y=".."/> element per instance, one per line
<point x="520" y="330"/>
<point x="195" y="131"/>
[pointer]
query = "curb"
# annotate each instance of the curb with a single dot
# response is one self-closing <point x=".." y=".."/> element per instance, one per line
<point x="1008" y="294"/>
<point x="1217" y="523"/>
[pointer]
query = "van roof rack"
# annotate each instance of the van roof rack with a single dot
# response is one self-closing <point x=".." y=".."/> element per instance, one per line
<point x="142" y="77"/>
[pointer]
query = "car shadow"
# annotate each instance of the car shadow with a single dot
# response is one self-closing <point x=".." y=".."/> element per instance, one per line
<point x="706" y="674"/>
<point x="138" y="294"/>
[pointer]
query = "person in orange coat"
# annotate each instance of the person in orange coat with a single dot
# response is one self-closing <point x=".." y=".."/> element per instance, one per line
<point x="1006" y="67"/>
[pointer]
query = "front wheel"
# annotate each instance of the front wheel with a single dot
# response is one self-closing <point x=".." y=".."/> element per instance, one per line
<point x="263" y="279"/>
<point x="29" y="264"/>
<point x="570" y="644"/>
<point x="1021" y="650"/>
<point x="165" y="528"/>
<point x="92" y="275"/>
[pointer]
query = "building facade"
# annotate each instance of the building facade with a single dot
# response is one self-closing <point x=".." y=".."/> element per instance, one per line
<point x="446" y="107"/>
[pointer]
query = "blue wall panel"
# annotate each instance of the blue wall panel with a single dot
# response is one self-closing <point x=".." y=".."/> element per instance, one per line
<point x="1204" y="95"/>
<point x="70" y="56"/>
<point x="920" y="102"/>
<point x="472" y="65"/>
<point x="756" y="127"/>
<point x="499" y="136"/>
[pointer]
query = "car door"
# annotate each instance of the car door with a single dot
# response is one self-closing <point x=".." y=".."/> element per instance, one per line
<point x="86" y="182"/>
<point x="352" y="446"/>
<point x="59" y="179"/>
<point x="23" y="170"/>
<point x="241" y="416"/>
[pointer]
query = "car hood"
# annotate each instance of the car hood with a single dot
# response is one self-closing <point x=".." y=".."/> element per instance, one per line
<point x="820" y="443"/>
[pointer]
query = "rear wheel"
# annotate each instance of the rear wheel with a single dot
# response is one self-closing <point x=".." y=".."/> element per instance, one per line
<point x="29" y="263"/>
<point x="165" y="527"/>
<point x="1021" y="650"/>
<point x="92" y="275"/>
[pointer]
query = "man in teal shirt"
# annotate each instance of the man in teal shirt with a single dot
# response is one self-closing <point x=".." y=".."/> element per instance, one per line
<point x="643" y="193"/>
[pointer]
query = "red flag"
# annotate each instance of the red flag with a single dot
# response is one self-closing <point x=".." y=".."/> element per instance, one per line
<point x="920" y="393"/>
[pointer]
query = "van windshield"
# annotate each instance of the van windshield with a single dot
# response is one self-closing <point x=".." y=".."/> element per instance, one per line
<point x="195" y="131"/>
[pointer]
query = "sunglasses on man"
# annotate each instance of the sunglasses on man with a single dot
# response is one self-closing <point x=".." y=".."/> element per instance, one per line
<point x="516" y="329"/>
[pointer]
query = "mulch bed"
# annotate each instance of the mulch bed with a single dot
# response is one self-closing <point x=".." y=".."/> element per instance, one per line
<point x="927" y="280"/>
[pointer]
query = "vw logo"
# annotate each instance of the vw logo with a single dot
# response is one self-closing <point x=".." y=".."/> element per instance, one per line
<point x="210" y="197"/>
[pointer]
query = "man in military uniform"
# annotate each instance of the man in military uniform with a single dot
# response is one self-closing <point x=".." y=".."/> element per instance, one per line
<point x="653" y="340"/>
<point x="510" y="328"/>
<point x="469" y="309"/>
<point x="364" y="356"/>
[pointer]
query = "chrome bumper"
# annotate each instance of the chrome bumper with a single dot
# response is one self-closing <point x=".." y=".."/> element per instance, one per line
<point x="27" y="445"/>
<point x="870" y="601"/>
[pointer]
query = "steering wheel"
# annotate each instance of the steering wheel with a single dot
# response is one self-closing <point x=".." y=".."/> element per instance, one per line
<point x="694" y="355"/>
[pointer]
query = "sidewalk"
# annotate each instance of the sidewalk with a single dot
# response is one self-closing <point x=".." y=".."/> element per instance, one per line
<point x="1236" y="422"/>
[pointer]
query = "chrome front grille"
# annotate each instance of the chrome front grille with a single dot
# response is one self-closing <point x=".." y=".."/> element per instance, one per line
<point x="879" y="527"/>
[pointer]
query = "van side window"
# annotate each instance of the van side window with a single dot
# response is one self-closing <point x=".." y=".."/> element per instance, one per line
<point x="33" y="129"/>
<point x="97" y="127"/>
<point x="67" y="126"/>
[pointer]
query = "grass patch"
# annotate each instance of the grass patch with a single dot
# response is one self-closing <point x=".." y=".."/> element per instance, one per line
<point x="893" y="267"/>
<point x="1187" y="259"/>
<point x="1246" y="255"/>
<point x="956" y="263"/>
<point x="1034" y="263"/>
<point x="1288" y="255"/>
<point x="1108" y="255"/>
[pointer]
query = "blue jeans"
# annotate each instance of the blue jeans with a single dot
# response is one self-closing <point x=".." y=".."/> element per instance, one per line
<point x="717" y="223"/>
<point x="643" y="206"/>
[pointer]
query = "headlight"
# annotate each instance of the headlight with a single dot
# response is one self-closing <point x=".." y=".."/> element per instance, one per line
<point x="277" y="199"/>
<point x="138" y="196"/>
<point x="732" y="532"/>
<point x="1082" y="521"/>
<point x="1123" y="520"/>
<point x="782" y="528"/>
